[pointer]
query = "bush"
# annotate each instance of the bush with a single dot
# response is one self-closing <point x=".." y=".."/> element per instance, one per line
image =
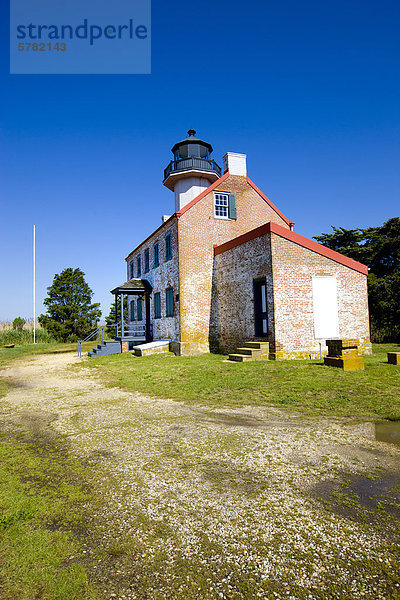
<point x="18" y="323"/>
<point x="25" y="336"/>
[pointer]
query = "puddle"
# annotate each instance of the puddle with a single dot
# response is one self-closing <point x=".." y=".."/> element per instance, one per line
<point x="388" y="431"/>
<point x="384" y="431"/>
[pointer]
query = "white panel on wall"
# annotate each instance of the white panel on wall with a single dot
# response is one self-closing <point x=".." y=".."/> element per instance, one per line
<point x="326" y="317"/>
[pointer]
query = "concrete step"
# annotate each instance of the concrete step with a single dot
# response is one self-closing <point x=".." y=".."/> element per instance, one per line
<point x="256" y="352"/>
<point x="108" y="347"/>
<point x="240" y="357"/>
<point x="263" y="346"/>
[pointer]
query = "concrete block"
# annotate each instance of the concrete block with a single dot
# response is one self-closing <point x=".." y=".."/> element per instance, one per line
<point x="393" y="358"/>
<point x="347" y="363"/>
<point x="343" y="347"/>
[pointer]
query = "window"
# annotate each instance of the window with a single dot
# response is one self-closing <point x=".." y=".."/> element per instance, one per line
<point x="139" y="309"/>
<point x="156" y="255"/>
<point x="138" y="267"/>
<point x="157" y="305"/>
<point x="131" y="269"/>
<point x="224" y="206"/>
<point x="147" y="261"/>
<point x="169" y="298"/>
<point x="132" y="310"/>
<point x="168" y="249"/>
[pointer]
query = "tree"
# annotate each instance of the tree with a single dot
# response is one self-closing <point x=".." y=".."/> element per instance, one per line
<point x="379" y="248"/>
<point x="18" y="323"/>
<point x="70" y="312"/>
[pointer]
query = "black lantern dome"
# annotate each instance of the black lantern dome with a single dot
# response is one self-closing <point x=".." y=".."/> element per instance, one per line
<point x="191" y="158"/>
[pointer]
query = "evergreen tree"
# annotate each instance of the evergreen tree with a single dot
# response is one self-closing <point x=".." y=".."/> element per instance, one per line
<point x="70" y="312"/>
<point x="18" y="323"/>
<point x="379" y="249"/>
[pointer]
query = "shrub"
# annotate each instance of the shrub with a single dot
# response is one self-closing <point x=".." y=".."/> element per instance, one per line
<point x="25" y="336"/>
<point x="18" y="323"/>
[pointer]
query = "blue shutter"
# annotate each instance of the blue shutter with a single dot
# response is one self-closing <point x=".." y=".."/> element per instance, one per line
<point x="168" y="249"/>
<point x="169" y="297"/>
<point x="232" y="206"/>
<point x="157" y="305"/>
<point x="132" y="310"/>
<point x="139" y="309"/>
<point x="156" y="256"/>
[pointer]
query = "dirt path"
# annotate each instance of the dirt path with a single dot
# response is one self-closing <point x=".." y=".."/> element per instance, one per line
<point x="201" y="503"/>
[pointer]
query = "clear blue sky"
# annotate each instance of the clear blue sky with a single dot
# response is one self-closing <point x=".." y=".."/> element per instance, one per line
<point x="308" y="90"/>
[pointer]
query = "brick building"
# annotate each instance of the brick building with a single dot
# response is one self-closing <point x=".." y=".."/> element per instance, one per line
<point x="227" y="267"/>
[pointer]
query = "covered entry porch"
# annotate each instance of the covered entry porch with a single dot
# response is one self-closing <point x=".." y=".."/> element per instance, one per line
<point x="125" y="330"/>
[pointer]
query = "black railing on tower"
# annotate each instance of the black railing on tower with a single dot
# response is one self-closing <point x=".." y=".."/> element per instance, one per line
<point x="192" y="163"/>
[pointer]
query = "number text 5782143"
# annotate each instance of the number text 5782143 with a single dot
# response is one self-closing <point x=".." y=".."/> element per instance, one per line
<point x="42" y="47"/>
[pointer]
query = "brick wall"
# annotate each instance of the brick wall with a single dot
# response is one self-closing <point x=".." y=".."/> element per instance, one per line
<point x="198" y="231"/>
<point x="288" y="269"/>
<point x="235" y="271"/>
<point x="293" y="268"/>
<point x="161" y="278"/>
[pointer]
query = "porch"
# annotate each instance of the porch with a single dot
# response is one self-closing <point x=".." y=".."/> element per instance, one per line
<point x="125" y="330"/>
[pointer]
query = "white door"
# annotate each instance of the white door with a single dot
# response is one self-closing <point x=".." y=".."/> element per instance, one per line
<point x="326" y="317"/>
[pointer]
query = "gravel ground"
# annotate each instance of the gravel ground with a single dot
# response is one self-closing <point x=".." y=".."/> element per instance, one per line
<point x="218" y="503"/>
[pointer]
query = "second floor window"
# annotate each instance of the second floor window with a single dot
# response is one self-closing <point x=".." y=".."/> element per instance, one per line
<point x="131" y="269"/>
<point x="156" y="255"/>
<point x="138" y="267"/>
<point x="157" y="305"/>
<point x="224" y="206"/>
<point x="147" y="261"/>
<point x="168" y="248"/>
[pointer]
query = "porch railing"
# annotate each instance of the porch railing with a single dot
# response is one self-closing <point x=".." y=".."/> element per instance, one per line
<point x="124" y="332"/>
<point x="131" y="331"/>
<point x="99" y="333"/>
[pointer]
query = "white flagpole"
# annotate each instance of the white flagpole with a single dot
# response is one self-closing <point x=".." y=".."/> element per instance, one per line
<point x="34" y="284"/>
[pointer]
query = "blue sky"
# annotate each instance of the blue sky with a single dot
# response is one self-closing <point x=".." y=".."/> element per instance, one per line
<point x="309" y="91"/>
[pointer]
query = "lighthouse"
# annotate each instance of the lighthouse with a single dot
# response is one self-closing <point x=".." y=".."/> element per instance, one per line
<point x="192" y="169"/>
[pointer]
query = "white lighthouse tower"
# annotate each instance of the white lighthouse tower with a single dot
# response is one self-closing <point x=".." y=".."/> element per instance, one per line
<point x="191" y="171"/>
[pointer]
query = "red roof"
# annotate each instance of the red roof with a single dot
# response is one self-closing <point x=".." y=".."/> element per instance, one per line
<point x="268" y="201"/>
<point x="200" y="196"/>
<point x="296" y="239"/>
<point x="217" y="183"/>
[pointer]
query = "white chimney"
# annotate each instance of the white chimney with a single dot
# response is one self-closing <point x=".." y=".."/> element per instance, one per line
<point x="235" y="163"/>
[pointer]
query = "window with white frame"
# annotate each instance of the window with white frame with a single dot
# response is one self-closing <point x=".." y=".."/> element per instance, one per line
<point x="225" y="206"/>
<point x="221" y="206"/>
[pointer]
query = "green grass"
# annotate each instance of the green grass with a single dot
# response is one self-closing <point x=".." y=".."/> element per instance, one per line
<point x="42" y="494"/>
<point x="306" y="386"/>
